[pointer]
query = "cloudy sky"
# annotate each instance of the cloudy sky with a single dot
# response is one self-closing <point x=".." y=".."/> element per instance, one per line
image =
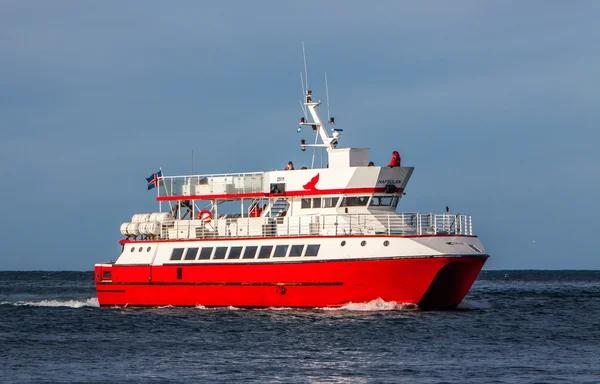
<point x="496" y="104"/>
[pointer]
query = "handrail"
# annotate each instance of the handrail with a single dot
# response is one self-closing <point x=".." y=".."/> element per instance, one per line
<point x="320" y="225"/>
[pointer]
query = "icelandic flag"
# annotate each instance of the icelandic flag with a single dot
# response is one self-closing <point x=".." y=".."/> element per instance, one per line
<point x="154" y="179"/>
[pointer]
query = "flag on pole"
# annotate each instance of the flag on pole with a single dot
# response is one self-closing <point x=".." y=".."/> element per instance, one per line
<point x="154" y="179"/>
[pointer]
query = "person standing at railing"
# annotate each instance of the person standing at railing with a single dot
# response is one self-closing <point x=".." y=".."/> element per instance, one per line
<point x="290" y="166"/>
<point x="395" y="162"/>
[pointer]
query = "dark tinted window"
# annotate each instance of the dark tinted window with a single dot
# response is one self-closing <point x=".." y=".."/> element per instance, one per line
<point x="220" y="253"/>
<point x="249" y="252"/>
<point x="312" y="249"/>
<point x="177" y="253"/>
<point x="280" y="250"/>
<point x="355" y="201"/>
<point x="296" y="250"/>
<point x="317" y="202"/>
<point x="205" y="253"/>
<point x="235" y="253"/>
<point x="384" y="201"/>
<point x="191" y="254"/>
<point x="305" y="203"/>
<point x="265" y="251"/>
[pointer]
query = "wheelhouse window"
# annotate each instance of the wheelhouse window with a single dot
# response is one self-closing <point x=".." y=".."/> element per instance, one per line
<point x="205" y="253"/>
<point x="355" y="201"/>
<point x="235" y="253"/>
<point x="280" y="250"/>
<point x="177" y="254"/>
<point x="382" y="201"/>
<point x="330" y="202"/>
<point x="265" y="252"/>
<point x="305" y="203"/>
<point x="191" y="253"/>
<point x="220" y="253"/>
<point x="312" y="249"/>
<point x="316" y="202"/>
<point x="250" y="252"/>
<point x="296" y="250"/>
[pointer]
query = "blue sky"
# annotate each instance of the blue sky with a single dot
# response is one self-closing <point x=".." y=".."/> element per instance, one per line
<point x="494" y="103"/>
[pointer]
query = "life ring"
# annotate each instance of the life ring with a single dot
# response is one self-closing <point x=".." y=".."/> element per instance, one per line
<point x="205" y="216"/>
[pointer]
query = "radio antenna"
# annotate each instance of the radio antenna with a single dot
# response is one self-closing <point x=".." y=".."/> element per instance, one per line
<point x="303" y="97"/>
<point x="305" y="71"/>
<point x="327" y="93"/>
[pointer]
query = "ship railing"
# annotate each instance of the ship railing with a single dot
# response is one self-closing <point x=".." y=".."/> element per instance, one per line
<point x="213" y="184"/>
<point x="321" y="225"/>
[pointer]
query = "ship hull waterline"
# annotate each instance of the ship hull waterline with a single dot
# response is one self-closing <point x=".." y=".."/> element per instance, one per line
<point x="436" y="282"/>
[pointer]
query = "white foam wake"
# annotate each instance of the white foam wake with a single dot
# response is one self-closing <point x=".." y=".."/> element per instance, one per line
<point x="91" y="302"/>
<point x="373" y="305"/>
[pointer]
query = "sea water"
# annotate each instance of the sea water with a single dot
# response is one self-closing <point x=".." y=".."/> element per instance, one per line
<point x="513" y="327"/>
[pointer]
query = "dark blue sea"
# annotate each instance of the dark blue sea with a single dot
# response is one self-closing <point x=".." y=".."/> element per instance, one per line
<point x="513" y="327"/>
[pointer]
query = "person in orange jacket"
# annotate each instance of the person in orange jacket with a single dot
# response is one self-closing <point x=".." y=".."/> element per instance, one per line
<point x="395" y="162"/>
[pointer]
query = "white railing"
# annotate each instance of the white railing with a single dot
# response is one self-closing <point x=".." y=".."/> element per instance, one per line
<point x="216" y="184"/>
<point x="321" y="225"/>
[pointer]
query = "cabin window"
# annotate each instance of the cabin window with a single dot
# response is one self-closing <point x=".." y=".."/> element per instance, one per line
<point x="205" y="253"/>
<point x="305" y="203"/>
<point x="277" y="188"/>
<point x="235" y="253"/>
<point x="296" y="250"/>
<point x="280" y="251"/>
<point x="132" y="249"/>
<point x="177" y="253"/>
<point x="141" y="249"/>
<point x="316" y="202"/>
<point x="265" y="252"/>
<point x="312" y="249"/>
<point x="106" y="275"/>
<point x="382" y="201"/>
<point x="148" y="249"/>
<point x="250" y="252"/>
<point x="355" y="201"/>
<point x="220" y="253"/>
<point x="191" y="253"/>
<point x="329" y="202"/>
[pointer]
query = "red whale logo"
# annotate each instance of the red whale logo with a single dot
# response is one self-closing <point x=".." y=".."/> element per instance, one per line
<point x="312" y="184"/>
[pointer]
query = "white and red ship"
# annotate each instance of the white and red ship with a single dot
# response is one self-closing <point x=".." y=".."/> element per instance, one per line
<point x="318" y="237"/>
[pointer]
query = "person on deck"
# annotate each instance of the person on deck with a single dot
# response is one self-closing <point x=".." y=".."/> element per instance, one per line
<point x="395" y="162"/>
<point x="290" y="166"/>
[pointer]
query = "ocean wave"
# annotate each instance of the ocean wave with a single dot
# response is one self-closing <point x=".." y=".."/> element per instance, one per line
<point x="91" y="302"/>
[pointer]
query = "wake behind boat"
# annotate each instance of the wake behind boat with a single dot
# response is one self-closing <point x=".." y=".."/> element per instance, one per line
<point x="318" y="237"/>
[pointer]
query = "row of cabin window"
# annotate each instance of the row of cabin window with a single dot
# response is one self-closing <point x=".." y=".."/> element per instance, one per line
<point x="249" y="252"/>
<point x="350" y="201"/>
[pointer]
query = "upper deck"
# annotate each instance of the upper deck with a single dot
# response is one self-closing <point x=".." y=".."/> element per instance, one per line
<point x="318" y="181"/>
<point x="239" y="226"/>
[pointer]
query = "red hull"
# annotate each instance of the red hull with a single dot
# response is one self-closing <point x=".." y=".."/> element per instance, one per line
<point x="434" y="282"/>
